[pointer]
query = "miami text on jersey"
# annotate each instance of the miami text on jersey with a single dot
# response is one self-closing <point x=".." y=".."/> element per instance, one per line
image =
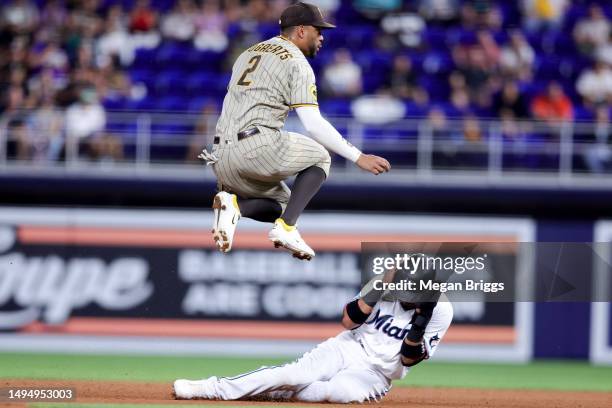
<point x="384" y="322"/>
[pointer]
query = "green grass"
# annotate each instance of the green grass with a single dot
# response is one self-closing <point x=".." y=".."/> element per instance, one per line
<point x="551" y="375"/>
<point x="556" y="375"/>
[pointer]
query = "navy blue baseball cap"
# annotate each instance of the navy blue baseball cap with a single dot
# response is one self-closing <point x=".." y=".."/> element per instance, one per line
<point x="303" y="14"/>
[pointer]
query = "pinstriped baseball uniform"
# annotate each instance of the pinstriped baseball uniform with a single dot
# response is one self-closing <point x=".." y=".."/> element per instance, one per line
<point x="267" y="80"/>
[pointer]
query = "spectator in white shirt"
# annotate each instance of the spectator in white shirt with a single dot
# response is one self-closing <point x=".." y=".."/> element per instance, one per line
<point x="517" y="57"/>
<point x="604" y="52"/>
<point x="178" y="24"/>
<point x="595" y="85"/>
<point x="20" y="16"/>
<point x="85" y="123"/>
<point x="343" y="76"/>
<point x="592" y="32"/>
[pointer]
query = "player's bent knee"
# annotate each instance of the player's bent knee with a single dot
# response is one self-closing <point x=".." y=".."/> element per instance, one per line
<point x="344" y="397"/>
<point x="343" y="391"/>
<point x="325" y="162"/>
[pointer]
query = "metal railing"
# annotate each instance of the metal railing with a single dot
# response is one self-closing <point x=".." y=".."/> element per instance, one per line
<point x="417" y="148"/>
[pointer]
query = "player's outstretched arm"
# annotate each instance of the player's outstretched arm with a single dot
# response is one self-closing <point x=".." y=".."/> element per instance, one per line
<point x="324" y="132"/>
<point x="355" y="313"/>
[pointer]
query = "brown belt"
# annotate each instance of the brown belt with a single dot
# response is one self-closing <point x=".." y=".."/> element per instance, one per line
<point x="242" y="135"/>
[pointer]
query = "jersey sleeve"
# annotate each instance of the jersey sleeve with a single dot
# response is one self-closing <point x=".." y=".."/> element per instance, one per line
<point x="438" y="325"/>
<point x="303" y="89"/>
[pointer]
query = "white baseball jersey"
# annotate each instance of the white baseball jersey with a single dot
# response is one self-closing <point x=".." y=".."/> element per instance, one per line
<point x="355" y="366"/>
<point x="381" y="335"/>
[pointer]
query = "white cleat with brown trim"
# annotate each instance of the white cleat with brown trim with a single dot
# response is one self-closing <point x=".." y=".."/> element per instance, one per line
<point x="226" y="216"/>
<point x="203" y="389"/>
<point x="288" y="237"/>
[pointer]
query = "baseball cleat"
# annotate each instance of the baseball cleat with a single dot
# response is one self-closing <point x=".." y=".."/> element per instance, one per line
<point x="288" y="237"/>
<point x="186" y="389"/>
<point x="227" y="214"/>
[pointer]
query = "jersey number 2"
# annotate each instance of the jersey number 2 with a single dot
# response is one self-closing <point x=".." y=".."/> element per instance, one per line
<point x="254" y="62"/>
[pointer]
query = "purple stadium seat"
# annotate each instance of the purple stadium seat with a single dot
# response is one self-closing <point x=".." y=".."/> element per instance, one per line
<point x="335" y="107"/>
<point x="435" y="38"/>
<point x="171" y="82"/>
<point x="142" y="104"/>
<point x="171" y="103"/>
<point x="145" y="59"/>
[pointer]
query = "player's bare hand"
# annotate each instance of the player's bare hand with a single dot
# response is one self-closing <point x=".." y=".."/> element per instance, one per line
<point x="373" y="164"/>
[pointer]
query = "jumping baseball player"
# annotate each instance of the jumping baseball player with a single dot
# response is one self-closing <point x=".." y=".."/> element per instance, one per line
<point x="251" y="155"/>
<point x="382" y="341"/>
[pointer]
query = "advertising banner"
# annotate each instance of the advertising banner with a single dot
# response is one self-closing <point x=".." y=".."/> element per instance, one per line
<point x="151" y="281"/>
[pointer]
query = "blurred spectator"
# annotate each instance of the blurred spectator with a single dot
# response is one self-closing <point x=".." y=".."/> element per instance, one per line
<point x="233" y="10"/>
<point x="593" y="31"/>
<point x="604" y="52"/>
<point x="115" y="40"/>
<point x="480" y="14"/>
<point x="46" y="84"/>
<point x="50" y="56"/>
<point x="204" y="132"/>
<point x="47" y="124"/>
<point x="84" y="23"/>
<point x="459" y="96"/>
<point x="85" y="69"/>
<point x="517" y="150"/>
<point x="53" y="16"/>
<point x="342" y="77"/>
<point x="553" y="106"/>
<point x="472" y="132"/>
<point x="18" y="139"/>
<point x="210" y="24"/>
<point x="20" y="16"/>
<point x="436" y="121"/>
<point x="403" y="28"/>
<point x="19" y="51"/>
<point x="511" y="129"/>
<point x="599" y="156"/>
<point x="443" y="12"/>
<point x="116" y="85"/>
<point x="86" y="117"/>
<point x="178" y="24"/>
<point x="543" y="14"/>
<point x="477" y="62"/>
<point x="510" y="99"/>
<point x="143" y="19"/>
<point x="377" y="109"/>
<point x="13" y="100"/>
<point x="143" y="25"/>
<point x="402" y="79"/>
<point x="595" y="85"/>
<point x="517" y="57"/>
<point x="85" y="122"/>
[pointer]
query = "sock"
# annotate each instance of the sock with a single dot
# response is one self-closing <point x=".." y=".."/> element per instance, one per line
<point x="306" y="185"/>
<point x="260" y="209"/>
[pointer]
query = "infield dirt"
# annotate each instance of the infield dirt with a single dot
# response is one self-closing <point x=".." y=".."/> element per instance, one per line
<point x="117" y="392"/>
